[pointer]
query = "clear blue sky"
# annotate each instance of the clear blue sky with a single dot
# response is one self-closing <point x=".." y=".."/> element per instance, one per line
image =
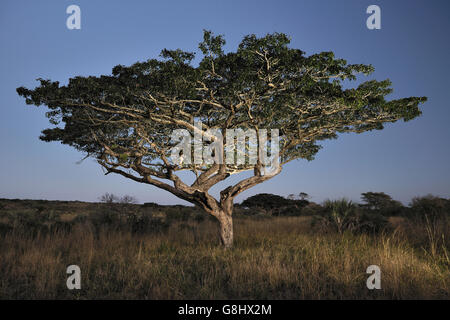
<point x="412" y="49"/>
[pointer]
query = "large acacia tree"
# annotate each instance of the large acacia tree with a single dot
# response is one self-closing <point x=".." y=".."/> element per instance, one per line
<point x="125" y="120"/>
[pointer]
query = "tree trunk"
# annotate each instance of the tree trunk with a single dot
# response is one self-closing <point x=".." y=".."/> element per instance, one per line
<point x="226" y="229"/>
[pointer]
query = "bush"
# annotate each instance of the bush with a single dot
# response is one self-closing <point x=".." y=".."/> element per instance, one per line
<point x="371" y="223"/>
<point x="381" y="203"/>
<point x="30" y="223"/>
<point x="343" y="215"/>
<point x="177" y="214"/>
<point x="430" y="207"/>
<point x="274" y="205"/>
<point x="105" y="219"/>
<point x="312" y="209"/>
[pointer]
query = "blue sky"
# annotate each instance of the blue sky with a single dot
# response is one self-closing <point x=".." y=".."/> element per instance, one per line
<point x="412" y="49"/>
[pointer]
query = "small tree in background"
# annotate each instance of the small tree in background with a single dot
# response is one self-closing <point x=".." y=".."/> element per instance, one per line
<point x="430" y="206"/>
<point x="303" y="196"/>
<point x="108" y="198"/>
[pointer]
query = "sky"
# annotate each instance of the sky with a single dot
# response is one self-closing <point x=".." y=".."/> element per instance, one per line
<point x="404" y="160"/>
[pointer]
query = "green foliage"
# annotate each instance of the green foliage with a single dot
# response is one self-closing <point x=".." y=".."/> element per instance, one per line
<point x="176" y="214"/>
<point x="150" y="205"/>
<point x="274" y="205"/>
<point x="142" y="223"/>
<point x="343" y="215"/>
<point x="264" y="82"/>
<point x="381" y="203"/>
<point x="125" y="120"/>
<point x="312" y="209"/>
<point x="265" y="200"/>
<point x="293" y="211"/>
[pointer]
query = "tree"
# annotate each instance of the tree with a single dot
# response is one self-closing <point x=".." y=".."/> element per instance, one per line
<point x="266" y="200"/>
<point x="430" y="206"/>
<point x="303" y="196"/>
<point x="108" y="198"/>
<point x="381" y="202"/>
<point x="125" y="120"/>
<point x="127" y="199"/>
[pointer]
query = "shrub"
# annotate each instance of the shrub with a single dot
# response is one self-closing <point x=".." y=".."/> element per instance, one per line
<point x="367" y="222"/>
<point x="177" y="214"/>
<point x="127" y="199"/>
<point x="143" y="223"/>
<point x="266" y="201"/>
<point x="429" y="206"/>
<point x="30" y="223"/>
<point x="274" y="205"/>
<point x="290" y="211"/>
<point x="104" y="219"/>
<point x="343" y="215"/>
<point x="150" y="205"/>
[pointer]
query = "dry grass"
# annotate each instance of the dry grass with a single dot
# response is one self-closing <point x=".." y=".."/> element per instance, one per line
<point x="278" y="258"/>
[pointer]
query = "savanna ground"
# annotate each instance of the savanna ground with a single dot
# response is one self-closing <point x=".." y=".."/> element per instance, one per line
<point x="125" y="252"/>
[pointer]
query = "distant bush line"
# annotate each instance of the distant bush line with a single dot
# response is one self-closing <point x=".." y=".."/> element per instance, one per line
<point x="124" y="214"/>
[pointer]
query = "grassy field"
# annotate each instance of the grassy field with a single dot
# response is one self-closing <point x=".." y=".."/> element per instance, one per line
<point x="273" y="258"/>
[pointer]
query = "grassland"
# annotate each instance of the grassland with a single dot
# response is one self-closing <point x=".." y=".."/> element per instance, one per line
<point x="273" y="258"/>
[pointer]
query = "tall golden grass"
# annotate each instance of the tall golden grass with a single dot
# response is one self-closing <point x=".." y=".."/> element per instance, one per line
<point x="276" y="258"/>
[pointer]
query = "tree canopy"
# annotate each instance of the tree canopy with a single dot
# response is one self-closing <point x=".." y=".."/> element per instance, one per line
<point x="266" y="201"/>
<point x="125" y="119"/>
<point x="378" y="201"/>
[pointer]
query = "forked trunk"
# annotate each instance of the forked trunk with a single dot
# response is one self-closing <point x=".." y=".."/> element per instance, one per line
<point x="226" y="229"/>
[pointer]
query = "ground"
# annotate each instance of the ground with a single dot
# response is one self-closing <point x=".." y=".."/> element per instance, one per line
<point x="180" y="258"/>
